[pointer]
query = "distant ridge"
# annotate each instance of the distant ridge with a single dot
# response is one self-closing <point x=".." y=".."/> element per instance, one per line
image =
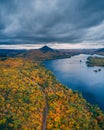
<point x="45" y="49"/>
<point x="100" y="51"/>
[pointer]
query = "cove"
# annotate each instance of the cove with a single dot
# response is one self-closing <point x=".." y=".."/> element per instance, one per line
<point x="74" y="73"/>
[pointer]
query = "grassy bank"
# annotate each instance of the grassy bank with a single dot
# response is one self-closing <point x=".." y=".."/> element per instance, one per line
<point x="95" y="61"/>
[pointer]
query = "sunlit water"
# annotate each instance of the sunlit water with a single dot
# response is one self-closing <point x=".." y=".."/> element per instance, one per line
<point x="78" y="76"/>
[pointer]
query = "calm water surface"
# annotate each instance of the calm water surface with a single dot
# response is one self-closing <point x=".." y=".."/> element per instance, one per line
<point x="78" y="76"/>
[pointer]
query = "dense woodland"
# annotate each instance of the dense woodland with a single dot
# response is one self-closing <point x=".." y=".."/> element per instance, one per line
<point x="32" y="99"/>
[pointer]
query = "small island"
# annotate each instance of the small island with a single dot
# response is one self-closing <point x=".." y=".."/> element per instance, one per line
<point x="95" y="61"/>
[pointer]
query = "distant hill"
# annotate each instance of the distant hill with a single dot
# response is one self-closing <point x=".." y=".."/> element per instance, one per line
<point x="100" y="51"/>
<point x="44" y="53"/>
<point x="10" y="52"/>
<point x="45" y="49"/>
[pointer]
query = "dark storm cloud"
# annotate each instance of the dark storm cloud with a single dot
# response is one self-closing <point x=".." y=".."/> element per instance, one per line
<point x="45" y="21"/>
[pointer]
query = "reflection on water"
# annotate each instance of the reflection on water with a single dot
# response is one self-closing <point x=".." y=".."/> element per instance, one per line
<point x="76" y="75"/>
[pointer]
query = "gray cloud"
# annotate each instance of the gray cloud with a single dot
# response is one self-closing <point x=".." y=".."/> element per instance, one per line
<point x="46" y="21"/>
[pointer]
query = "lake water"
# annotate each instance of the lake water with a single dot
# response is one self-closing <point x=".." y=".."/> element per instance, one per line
<point x="77" y="76"/>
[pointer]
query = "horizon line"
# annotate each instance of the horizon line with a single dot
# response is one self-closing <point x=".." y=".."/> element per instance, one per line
<point x="51" y="45"/>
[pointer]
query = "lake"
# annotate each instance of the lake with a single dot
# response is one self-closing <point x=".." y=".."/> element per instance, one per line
<point x="76" y="75"/>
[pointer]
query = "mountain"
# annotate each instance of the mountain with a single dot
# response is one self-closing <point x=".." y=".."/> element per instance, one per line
<point x="100" y="51"/>
<point x="44" y="53"/>
<point x="5" y="53"/>
<point x="45" y="49"/>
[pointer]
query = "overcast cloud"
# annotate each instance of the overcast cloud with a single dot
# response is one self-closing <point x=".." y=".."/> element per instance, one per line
<point x="52" y="21"/>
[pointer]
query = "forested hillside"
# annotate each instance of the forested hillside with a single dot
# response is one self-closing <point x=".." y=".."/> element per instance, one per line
<point x="32" y="99"/>
<point x="45" y="53"/>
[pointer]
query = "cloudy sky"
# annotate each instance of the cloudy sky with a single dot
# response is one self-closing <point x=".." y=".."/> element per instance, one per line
<point x="57" y="23"/>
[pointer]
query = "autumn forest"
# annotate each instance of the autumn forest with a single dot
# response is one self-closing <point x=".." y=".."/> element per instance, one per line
<point x="32" y="99"/>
